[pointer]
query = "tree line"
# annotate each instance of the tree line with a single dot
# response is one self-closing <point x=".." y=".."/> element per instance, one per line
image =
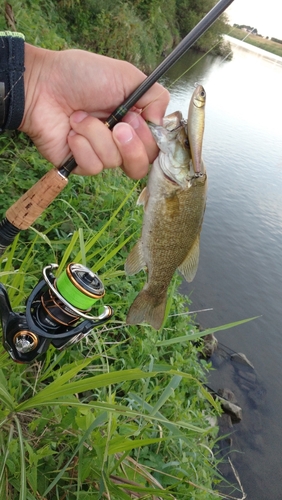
<point x="139" y="31"/>
<point x="276" y="40"/>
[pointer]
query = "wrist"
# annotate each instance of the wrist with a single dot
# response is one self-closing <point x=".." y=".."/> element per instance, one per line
<point x="30" y="82"/>
<point x="37" y="72"/>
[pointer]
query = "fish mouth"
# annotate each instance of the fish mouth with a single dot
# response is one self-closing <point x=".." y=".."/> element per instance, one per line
<point x="175" y="159"/>
<point x="189" y="179"/>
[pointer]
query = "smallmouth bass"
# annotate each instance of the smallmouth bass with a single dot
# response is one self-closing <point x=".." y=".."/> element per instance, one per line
<point x="174" y="204"/>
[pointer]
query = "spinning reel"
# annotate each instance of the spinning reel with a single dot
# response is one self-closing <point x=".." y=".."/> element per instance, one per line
<point x="53" y="311"/>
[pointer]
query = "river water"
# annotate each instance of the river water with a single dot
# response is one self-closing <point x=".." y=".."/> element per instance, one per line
<point x="240" y="270"/>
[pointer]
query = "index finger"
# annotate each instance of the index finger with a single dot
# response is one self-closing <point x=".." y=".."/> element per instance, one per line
<point x="154" y="103"/>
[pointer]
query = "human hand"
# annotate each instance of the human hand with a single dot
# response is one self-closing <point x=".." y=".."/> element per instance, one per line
<point x="70" y="93"/>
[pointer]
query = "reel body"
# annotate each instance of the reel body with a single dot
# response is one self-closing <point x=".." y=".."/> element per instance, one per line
<point x="57" y="313"/>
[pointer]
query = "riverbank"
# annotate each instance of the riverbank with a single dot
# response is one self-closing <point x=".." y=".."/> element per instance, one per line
<point x="256" y="41"/>
<point x="237" y="381"/>
<point x="253" y="48"/>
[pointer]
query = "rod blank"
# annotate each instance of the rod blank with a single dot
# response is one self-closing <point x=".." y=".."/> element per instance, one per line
<point x="160" y="70"/>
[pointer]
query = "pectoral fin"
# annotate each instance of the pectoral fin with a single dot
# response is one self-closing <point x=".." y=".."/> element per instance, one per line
<point x="135" y="260"/>
<point x="190" y="264"/>
<point x="143" y="197"/>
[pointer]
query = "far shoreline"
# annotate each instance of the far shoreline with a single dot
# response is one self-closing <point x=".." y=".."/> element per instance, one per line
<point x="253" y="48"/>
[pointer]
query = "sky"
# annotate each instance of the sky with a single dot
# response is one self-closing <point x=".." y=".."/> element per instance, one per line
<point x="265" y="15"/>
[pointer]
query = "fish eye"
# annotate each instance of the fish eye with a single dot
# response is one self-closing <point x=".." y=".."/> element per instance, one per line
<point x="203" y="93"/>
<point x="186" y="142"/>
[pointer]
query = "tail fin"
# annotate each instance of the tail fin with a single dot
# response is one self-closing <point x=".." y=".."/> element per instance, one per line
<point x="145" y="309"/>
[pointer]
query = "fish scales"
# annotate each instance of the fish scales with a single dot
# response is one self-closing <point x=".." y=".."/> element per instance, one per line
<point x="174" y="203"/>
<point x="171" y="209"/>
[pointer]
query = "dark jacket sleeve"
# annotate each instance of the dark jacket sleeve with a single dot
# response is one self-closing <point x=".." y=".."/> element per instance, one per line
<point x="11" y="80"/>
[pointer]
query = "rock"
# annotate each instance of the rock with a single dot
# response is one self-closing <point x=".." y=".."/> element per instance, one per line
<point x="246" y="387"/>
<point x="228" y="394"/>
<point x="233" y="410"/>
<point x="210" y="345"/>
<point x="248" y="376"/>
<point x="257" y="396"/>
<point x="229" y="404"/>
<point x="225" y="424"/>
<point x="239" y="357"/>
<point x="225" y="433"/>
<point x="212" y="420"/>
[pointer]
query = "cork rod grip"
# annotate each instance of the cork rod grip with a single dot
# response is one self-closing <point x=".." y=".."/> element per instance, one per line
<point x="32" y="203"/>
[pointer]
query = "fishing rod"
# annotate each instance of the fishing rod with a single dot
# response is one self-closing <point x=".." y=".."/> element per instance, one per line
<point x="52" y="304"/>
<point x="32" y="204"/>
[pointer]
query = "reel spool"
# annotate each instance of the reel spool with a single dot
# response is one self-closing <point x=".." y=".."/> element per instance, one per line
<point x="53" y="312"/>
<point x="69" y="296"/>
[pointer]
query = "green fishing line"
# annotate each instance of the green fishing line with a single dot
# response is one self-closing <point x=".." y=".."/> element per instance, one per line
<point x="74" y="294"/>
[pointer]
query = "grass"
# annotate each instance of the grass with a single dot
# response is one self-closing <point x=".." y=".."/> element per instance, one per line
<point x="124" y="414"/>
<point x="88" y="421"/>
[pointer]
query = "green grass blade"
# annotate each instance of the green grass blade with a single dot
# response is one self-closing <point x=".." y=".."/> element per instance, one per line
<point x="6" y="398"/>
<point x="22" y="461"/>
<point x="125" y="411"/>
<point x="209" y="397"/>
<point x="75" y="211"/>
<point x="148" y="492"/>
<point x="2" y="471"/>
<point x="68" y="251"/>
<point x="98" y="235"/>
<point x="82" y="247"/>
<point x="122" y="444"/>
<point x="7" y="260"/>
<point x="197" y="335"/>
<point x="170" y="388"/>
<point x="171" y="426"/>
<point x="71" y="370"/>
<point x="43" y="236"/>
<point x="110" y="255"/>
<point x="49" y="369"/>
<point x="58" y="389"/>
<point x="169" y="303"/>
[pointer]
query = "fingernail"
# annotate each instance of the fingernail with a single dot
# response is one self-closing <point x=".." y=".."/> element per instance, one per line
<point x="78" y="116"/>
<point x="123" y="133"/>
<point x="133" y="119"/>
<point x="72" y="132"/>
